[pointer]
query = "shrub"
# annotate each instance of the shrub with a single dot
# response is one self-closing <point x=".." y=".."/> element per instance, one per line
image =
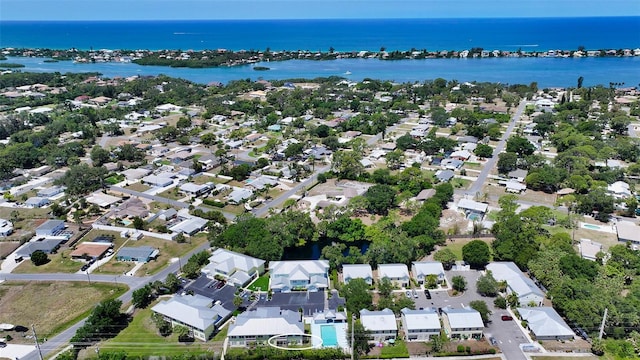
<point x="460" y="348"/>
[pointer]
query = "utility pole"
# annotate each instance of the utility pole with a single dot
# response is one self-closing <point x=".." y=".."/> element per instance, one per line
<point x="604" y="319"/>
<point x="353" y="325"/>
<point x="35" y="337"/>
<point x="88" y="277"/>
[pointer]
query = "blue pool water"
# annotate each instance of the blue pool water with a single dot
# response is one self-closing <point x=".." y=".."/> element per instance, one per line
<point x="328" y="335"/>
<point x="592" y="227"/>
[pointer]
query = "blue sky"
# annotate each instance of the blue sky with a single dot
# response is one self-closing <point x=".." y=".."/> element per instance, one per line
<point x="307" y="9"/>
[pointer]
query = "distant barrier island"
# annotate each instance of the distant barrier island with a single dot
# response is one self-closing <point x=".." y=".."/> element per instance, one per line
<point x="228" y="58"/>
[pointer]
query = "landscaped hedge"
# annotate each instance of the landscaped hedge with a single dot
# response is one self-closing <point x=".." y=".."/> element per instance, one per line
<point x="213" y="203"/>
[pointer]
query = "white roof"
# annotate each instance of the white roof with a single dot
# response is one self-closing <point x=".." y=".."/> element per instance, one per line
<point x="383" y="320"/>
<point x="193" y="310"/>
<point x="463" y="318"/>
<point x="101" y="199"/>
<point x="628" y="231"/>
<point x="393" y="271"/>
<point x="193" y="188"/>
<point x="357" y="271"/>
<point x="313" y="271"/>
<point x="421" y="319"/>
<point x="516" y="280"/>
<point x="589" y="249"/>
<point x="472" y="205"/>
<point x="266" y="321"/>
<point x="189" y="226"/>
<point x="545" y="321"/>
<point x="230" y="261"/>
<point x="239" y="194"/>
<point x="424" y="268"/>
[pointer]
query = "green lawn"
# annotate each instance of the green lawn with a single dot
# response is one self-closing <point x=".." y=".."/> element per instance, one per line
<point x="141" y="339"/>
<point x="261" y="284"/>
<point x="397" y="350"/>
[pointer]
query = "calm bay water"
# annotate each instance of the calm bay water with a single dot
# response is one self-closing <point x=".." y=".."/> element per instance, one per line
<point x="548" y="72"/>
<point x="351" y="35"/>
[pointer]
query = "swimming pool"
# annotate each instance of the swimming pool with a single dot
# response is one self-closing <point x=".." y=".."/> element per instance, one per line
<point x="328" y="335"/>
<point x="590" y="226"/>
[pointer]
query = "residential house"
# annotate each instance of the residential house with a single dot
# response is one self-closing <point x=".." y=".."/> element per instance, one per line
<point x="332" y="320"/>
<point x="462" y="155"/>
<point x="589" y="249"/>
<point x="51" y="192"/>
<point x="357" y="271"/>
<point x="465" y="323"/>
<point x="263" y="182"/>
<point x="239" y="195"/>
<point x="472" y="209"/>
<point x="420" y="325"/>
<point x="36" y="202"/>
<point x="157" y="181"/>
<point x="50" y="228"/>
<point x="48" y="246"/>
<point x="138" y="254"/>
<point x="397" y="273"/>
<point x="451" y="164"/>
<point x="6" y="228"/>
<point x="90" y="250"/>
<point x="381" y="325"/>
<point x="238" y="268"/>
<point x="513" y="186"/>
<point x="425" y="194"/>
<point x="527" y="291"/>
<point x="619" y="190"/>
<point x="102" y="200"/>
<point x="190" y="226"/>
<point x="195" y="312"/>
<point x="422" y="270"/>
<point x="546" y="324"/>
<point x="256" y="327"/>
<point x="310" y="275"/>
<point x="193" y="189"/>
<point x="628" y="232"/>
<point x="444" y="175"/>
<point x="518" y="175"/>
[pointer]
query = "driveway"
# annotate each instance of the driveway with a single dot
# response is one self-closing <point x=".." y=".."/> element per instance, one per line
<point x="507" y="333"/>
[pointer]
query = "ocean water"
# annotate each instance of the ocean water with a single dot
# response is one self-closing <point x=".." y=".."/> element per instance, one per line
<point x="547" y="72"/>
<point x="531" y="34"/>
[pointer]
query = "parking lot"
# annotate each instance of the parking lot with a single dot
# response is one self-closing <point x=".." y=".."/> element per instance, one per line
<point x="214" y="290"/>
<point x="507" y="333"/>
<point x="309" y="302"/>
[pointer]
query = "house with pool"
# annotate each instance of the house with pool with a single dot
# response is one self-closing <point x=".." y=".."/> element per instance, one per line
<point x="330" y="327"/>
<point x="256" y="327"/>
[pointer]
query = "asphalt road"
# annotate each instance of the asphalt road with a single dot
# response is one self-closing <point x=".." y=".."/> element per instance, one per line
<point x="482" y="177"/>
<point x="507" y="333"/>
<point x="59" y="341"/>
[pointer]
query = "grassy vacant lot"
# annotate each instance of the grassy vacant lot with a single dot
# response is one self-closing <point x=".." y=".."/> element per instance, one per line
<point x="168" y="249"/>
<point x="65" y="303"/>
<point x="138" y="187"/>
<point x="7" y="247"/>
<point x="456" y="245"/>
<point x="141" y="339"/>
<point x="59" y="263"/>
<point x="261" y="283"/>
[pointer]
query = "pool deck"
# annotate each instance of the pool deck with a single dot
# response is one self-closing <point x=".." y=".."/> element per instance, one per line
<point x="604" y="228"/>
<point x="341" y="334"/>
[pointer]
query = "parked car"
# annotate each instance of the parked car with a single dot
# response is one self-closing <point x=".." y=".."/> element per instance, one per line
<point x="408" y="294"/>
<point x="3" y="345"/>
<point x="493" y="341"/>
<point x="507" y="317"/>
<point x="427" y="293"/>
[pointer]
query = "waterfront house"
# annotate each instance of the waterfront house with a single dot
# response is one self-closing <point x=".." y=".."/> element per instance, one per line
<point x="309" y="275"/>
<point x="238" y="268"/>
<point x="357" y="271"/>
<point x="398" y="274"/>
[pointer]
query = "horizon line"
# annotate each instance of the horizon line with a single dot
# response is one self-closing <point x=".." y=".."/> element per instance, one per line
<point x="325" y="19"/>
